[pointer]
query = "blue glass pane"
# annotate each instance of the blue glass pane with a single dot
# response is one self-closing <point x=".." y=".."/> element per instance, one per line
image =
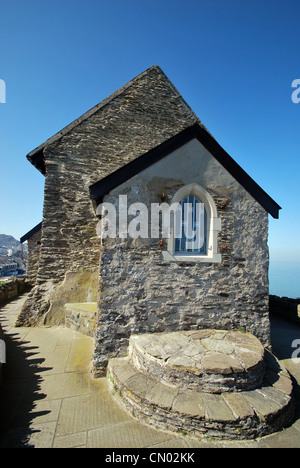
<point x="193" y="220"/>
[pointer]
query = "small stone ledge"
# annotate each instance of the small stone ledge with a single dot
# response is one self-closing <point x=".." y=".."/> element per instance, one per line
<point x="81" y="317"/>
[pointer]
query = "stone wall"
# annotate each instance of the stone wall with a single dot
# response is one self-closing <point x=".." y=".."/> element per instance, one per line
<point x="141" y="292"/>
<point x="33" y="256"/>
<point x="82" y="317"/>
<point x="11" y="289"/>
<point x="286" y="308"/>
<point x="137" y="118"/>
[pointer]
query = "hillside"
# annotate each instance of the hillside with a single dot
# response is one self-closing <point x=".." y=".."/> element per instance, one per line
<point x="11" y="251"/>
<point x="8" y="241"/>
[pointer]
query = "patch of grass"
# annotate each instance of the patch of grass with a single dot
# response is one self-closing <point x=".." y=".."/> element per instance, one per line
<point x="111" y="379"/>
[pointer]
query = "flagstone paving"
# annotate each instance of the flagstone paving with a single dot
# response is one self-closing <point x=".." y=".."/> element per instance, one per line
<point x="48" y="399"/>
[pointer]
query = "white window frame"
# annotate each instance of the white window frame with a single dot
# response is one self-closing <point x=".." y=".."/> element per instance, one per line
<point x="212" y="228"/>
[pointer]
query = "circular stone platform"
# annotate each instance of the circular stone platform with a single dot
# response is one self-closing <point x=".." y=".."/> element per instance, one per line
<point x="212" y="361"/>
<point x="211" y="383"/>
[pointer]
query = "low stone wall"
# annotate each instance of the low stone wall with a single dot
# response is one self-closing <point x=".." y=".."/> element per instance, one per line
<point x="11" y="289"/>
<point x="81" y="317"/>
<point x="285" y="307"/>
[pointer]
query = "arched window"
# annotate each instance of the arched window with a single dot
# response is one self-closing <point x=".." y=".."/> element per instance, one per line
<point x="194" y="228"/>
<point x="191" y="238"/>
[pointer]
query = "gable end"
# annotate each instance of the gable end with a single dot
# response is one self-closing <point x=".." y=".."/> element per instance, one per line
<point x="105" y="185"/>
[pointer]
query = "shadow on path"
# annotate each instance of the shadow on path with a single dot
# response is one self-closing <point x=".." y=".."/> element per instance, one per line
<point x="283" y="336"/>
<point x="20" y="389"/>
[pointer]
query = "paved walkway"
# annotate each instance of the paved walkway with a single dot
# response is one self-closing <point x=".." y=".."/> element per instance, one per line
<point x="48" y="400"/>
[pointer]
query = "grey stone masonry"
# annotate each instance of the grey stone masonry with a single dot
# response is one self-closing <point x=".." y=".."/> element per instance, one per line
<point x="207" y="360"/>
<point x="142" y="290"/>
<point x="140" y="284"/>
<point x="81" y="317"/>
<point x="34" y="247"/>
<point x="138" y="117"/>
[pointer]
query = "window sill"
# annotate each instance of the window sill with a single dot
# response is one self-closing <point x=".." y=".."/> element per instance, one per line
<point x="168" y="257"/>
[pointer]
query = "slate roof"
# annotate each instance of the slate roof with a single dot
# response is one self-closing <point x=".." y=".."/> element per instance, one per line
<point x="36" y="155"/>
<point x="198" y="131"/>
<point x="30" y="233"/>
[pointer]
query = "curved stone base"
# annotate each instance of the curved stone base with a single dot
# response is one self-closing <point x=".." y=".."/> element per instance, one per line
<point x="212" y="361"/>
<point x="243" y="414"/>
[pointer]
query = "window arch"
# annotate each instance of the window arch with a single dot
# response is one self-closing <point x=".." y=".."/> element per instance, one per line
<point x="192" y="238"/>
<point x="194" y="233"/>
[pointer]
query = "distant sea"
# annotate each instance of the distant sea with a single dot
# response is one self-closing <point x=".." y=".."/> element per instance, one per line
<point x="284" y="278"/>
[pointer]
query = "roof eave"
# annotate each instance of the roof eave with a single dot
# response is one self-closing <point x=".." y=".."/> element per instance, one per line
<point x="103" y="186"/>
<point x="30" y="233"/>
<point x="36" y="158"/>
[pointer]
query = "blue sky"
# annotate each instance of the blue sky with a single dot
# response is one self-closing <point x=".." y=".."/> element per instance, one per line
<point x="233" y="62"/>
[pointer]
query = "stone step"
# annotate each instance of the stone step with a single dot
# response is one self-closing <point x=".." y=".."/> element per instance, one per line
<point x="235" y="415"/>
<point x="81" y="317"/>
<point x="212" y="361"/>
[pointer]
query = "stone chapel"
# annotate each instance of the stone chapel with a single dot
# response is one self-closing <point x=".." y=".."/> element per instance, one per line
<point x="145" y="142"/>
